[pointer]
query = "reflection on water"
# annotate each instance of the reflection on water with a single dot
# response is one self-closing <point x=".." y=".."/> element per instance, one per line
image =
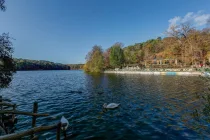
<point x="152" y="107"/>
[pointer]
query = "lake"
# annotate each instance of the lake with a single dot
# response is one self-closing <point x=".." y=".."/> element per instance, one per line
<point x="151" y="107"/>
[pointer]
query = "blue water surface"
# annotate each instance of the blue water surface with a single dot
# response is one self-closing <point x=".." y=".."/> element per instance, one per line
<point x="151" y="106"/>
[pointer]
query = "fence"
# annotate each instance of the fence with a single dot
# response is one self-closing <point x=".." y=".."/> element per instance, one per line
<point x="8" y="120"/>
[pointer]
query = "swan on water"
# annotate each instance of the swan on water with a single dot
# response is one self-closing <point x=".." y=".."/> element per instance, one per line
<point x="64" y="121"/>
<point x="111" y="105"/>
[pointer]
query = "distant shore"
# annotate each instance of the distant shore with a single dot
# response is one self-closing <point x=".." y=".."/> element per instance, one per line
<point x="50" y="70"/>
<point x="186" y="73"/>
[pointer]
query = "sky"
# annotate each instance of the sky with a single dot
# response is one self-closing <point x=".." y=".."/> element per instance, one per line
<point x="64" y="31"/>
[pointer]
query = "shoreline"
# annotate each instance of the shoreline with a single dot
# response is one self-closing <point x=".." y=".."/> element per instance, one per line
<point x="186" y="73"/>
<point x="48" y="70"/>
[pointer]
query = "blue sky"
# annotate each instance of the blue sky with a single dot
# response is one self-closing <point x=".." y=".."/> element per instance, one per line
<point x="65" y="30"/>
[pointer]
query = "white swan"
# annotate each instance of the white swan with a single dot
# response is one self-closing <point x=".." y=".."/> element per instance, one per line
<point x="64" y="121"/>
<point x="111" y="105"/>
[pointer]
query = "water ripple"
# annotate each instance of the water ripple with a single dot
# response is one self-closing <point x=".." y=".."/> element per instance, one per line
<point x="152" y="107"/>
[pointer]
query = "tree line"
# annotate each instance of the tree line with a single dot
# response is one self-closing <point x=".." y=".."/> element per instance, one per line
<point x="26" y="64"/>
<point x="75" y="66"/>
<point x="183" y="43"/>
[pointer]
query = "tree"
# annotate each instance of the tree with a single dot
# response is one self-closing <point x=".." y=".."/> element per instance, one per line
<point x="116" y="55"/>
<point x="2" y="6"/>
<point x="94" y="60"/>
<point x="184" y="45"/>
<point x="7" y="65"/>
<point x="132" y="54"/>
<point x="181" y="33"/>
<point x="127" y="55"/>
<point x="26" y="64"/>
<point x="106" y="58"/>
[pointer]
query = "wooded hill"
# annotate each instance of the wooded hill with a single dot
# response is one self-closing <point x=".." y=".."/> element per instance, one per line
<point x="183" y="46"/>
<point x="26" y="64"/>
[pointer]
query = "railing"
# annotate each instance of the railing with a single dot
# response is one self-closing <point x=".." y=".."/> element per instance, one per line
<point x="5" y="105"/>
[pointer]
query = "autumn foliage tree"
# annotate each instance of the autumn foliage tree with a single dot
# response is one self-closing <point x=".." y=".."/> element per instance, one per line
<point x="183" y="46"/>
<point x="193" y="44"/>
<point x="94" y="60"/>
<point x="106" y="59"/>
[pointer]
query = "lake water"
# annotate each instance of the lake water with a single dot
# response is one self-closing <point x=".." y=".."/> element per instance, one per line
<point x="152" y="107"/>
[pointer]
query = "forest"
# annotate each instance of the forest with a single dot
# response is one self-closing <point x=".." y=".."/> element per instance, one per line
<point x="183" y="45"/>
<point x="26" y="64"/>
<point x="75" y="66"/>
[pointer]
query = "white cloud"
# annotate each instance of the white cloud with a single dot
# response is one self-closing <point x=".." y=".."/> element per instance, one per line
<point x="188" y="17"/>
<point x="196" y="19"/>
<point x="202" y="19"/>
<point x="174" y="20"/>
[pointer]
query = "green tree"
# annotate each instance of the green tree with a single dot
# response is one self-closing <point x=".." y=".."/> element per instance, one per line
<point x="26" y="64"/>
<point x="7" y="65"/>
<point x="94" y="60"/>
<point x="116" y="55"/>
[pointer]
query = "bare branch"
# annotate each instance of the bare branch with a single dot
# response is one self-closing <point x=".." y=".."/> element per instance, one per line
<point x="2" y="6"/>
